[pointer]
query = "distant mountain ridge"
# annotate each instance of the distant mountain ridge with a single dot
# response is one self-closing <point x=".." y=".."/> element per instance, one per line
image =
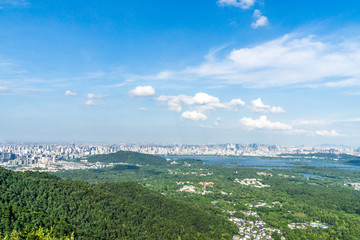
<point x="128" y="157"/>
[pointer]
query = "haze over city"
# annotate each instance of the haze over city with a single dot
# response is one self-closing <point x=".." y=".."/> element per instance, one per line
<point x="195" y="72"/>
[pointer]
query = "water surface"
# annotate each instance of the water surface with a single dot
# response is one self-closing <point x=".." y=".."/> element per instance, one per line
<point x="266" y="163"/>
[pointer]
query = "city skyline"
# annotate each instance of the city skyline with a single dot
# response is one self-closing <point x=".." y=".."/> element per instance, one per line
<point x="219" y="71"/>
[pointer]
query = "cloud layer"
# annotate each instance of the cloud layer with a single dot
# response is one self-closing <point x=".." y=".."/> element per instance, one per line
<point x="260" y="20"/>
<point x="259" y="107"/>
<point x="291" y="60"/>
<point x="326" y="133"/>
<point x="263" y="123"/>
<point x="70" y="93"/>
<point x="244" y="4"/>
<point x="89" y="103"/>
<point x="13" y="3"/>
<point x="200" y="102"/>
<point x="194" y="115"/>
<point x="143" y="91"/>
<point x="92" y="95"/>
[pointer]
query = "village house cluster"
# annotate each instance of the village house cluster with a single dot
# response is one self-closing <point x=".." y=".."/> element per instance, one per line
<point x="305" y="225"/>
<point x="192" y="189"/>
<point x="251" y="182"/>
<point x="354" y="185"/>
<point x="256" y="230"/>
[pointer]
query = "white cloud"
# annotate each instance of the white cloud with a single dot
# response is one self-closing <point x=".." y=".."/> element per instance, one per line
<point x="204" y="98"/>
<point x="175" y="103"/>
<point x="13" y="3"/>
<point x="211" y="55"/>
<point x="349" y="120"/>
<point x="201" y="101"/>
<point x="2" y="88"/>
<point x="92" y="95"/>
<point x="198" y="105"/>
<point x="344" y="83"/>
<point x="291" y="60"/>
<point x="70" y="93"/>
<point x="143" y="109"/>
<point x="89" y="103"/>
<point x="233" y="105"/>
<point x="194" y="115"/>
<point x="244" y="4"/>
<point x="260" y="20"/>
<point x="259" y="107"/>
<point x="164" y="75"/>
<point x="326" y="133"/>
<point x="263" y="123"/>
<point x="143" y="91"/>
<point x="310" y="122"/>
<point x="237" y="102"/>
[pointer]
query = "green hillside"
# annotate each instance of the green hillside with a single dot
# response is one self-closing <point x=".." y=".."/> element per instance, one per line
<point x="128" y="157"/>
<point x="32" y="201"/>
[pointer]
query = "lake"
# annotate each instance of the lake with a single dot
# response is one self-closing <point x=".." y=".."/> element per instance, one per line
<point x="266" y="163"/>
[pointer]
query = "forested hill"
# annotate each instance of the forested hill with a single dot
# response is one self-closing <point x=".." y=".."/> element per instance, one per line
<point x="129" y="157"/>
<point x="39" y="204"/>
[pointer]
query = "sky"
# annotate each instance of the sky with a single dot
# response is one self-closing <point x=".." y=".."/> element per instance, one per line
<point x="180" y="72"/>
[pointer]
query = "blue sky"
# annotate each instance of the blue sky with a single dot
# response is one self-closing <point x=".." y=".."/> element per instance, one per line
<point x="214" y="71"/>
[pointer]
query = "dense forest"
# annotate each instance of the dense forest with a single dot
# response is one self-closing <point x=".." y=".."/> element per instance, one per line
<point x="324" y="196"/>
<point x="37" y="205"/>
<point x="129" y="158"/>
